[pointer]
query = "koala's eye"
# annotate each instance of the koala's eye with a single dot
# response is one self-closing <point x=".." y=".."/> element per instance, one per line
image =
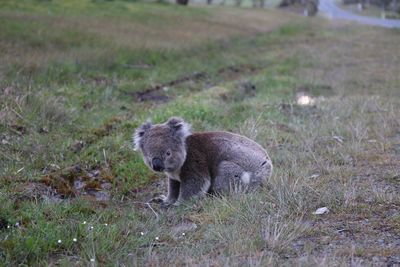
<point x="168" y="153"/>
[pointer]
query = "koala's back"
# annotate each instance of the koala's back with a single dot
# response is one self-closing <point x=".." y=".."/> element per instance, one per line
<point x="226" y="145"/>
<point x="219" y="151"/>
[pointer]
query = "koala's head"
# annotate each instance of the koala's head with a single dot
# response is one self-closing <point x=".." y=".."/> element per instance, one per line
<point x="163" y="145"/>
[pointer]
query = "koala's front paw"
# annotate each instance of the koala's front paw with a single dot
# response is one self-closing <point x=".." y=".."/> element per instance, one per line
<point x="166" y="204"/>
<point x="177" y="203"/>
<point x="164" y="201"/>
<point x="159" y="199"/>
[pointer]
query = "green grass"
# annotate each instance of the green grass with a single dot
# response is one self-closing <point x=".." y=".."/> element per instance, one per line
<point x="68" y="82"/>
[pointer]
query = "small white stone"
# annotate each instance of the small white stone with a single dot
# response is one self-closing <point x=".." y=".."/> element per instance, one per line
<point x="59" y="241"/>
<point x="338" y="139"/>
<point x="106" y="224"/>
<point x="157" y="238"/>
<point x="8" y="227"/>
<point x="315" y="175"/>
<point x="320" y="211"/>
<point x="91" y="228"/>
<point x="5" y="142"/>
<point x="141" y="233"/>
<point x="84" y="222"/>
<point x="183" y="234"/>
<point x="305" y="100"/>
<point x="91" y="260"/>
<point x="74" y="240"/>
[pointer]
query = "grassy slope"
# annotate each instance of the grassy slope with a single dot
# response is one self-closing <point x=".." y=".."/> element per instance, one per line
<point x="69" y="72"/>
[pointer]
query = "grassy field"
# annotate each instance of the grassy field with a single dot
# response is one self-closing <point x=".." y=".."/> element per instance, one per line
<point x="77" y="77"/>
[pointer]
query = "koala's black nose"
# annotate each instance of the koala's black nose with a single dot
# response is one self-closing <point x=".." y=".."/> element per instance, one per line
<point x="158" y="165"/>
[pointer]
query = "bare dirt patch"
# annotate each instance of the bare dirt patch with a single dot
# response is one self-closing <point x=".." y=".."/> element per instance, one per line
<point x="230" y="73"/>
<point x="155" y="93"/>
<point x="78" y="181"/>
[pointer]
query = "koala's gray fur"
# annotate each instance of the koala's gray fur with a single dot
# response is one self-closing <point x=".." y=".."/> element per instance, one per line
<point x="199" y="163"/>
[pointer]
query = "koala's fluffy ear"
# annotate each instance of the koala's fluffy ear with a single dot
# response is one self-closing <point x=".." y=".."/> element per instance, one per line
<point x="139" y="132"/>
<point x="180" y="127"/>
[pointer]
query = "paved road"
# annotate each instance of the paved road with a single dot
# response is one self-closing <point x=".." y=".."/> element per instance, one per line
<point x="330" y="9"/>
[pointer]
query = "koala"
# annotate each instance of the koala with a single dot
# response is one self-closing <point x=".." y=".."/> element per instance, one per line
<point x="203" y="162"/>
